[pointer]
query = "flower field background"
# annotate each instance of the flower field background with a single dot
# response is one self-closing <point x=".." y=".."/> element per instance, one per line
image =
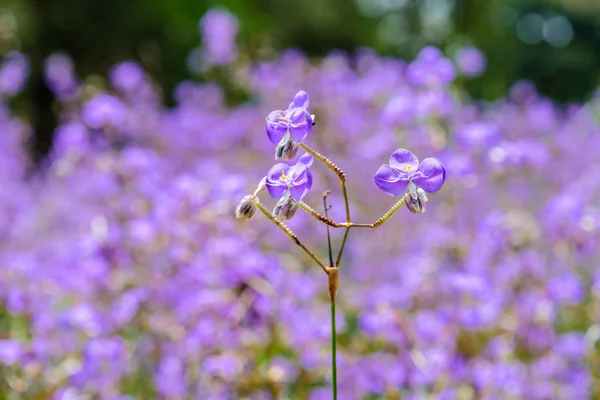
<point x="125" y="275"/>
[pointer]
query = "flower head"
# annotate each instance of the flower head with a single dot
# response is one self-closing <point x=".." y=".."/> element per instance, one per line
<point x="404" y="171"/>
<point x="289" y="185"/>
<point x="288" y="128"/>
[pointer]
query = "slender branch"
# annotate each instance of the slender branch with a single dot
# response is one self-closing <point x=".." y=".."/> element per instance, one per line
<point x="335" y="224"/>
<point x="353" y="225"/>
<point x="342" y="246"/>
<point x="388" y="214"/>
<point x="325" y="209"/>
<point x="320" y="217"/>
<point x="289" y="233"/>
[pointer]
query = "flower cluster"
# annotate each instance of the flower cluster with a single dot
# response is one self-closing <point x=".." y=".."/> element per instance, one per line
<point x="124" y="275"/>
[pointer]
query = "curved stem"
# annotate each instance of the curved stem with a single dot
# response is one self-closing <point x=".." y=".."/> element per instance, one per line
<point x="289" y="234"/>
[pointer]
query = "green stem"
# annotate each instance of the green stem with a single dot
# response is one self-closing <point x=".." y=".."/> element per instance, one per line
<point x="333" y="352"/>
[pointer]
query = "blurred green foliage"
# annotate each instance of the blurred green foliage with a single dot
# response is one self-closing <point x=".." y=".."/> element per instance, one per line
<point x="160" y="34"/>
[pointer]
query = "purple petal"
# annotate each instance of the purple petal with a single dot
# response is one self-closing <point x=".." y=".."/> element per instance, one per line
<point x="430" y="175"/>
<point x="390" y="181"/>
<point x="299" y="132"/>
<point x="296" y="115"/>
<point x="275" y="128"/>
<point x="401" y="158"/>
<point x="275" y="186"/>
<point x="305" y="160"/>
<point x="301" y="187"/>
<point x="300" y="100"/>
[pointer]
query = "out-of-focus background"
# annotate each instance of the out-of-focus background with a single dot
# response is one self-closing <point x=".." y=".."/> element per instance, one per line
<point x="553" y="43"/>
<point x="131" y="129"/>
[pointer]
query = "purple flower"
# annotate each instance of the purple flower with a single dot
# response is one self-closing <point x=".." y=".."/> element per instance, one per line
<point x="103" y="110"/>
<point x="126" y="76"/>
<point x="218" y="29"/>
<point x="430" y="68"/>
<point x="471" y="61"/>
<point x="10" y="351"/>
<point x="405" y="172"/>
<point x="288" y="128"/>
<point x="14" y="71"/>
<point x="289" y="185"/>
<point x="59" y="73"/>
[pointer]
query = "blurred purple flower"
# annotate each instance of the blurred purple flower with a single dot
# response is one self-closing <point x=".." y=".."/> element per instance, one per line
<point x="14" y="71"/>
<point x="218" y="29"/>
<point x="430" y="68"/>
<point x="170" y="379"/>
<point x="59" y="73"/>
<point x="288" y="128"/>
<point x="471" y="61"/>
<point x="103" y="110"/>
<point x="478" y="134"/>
<point x="11" y="351"/>
<point x="126" y="76"/>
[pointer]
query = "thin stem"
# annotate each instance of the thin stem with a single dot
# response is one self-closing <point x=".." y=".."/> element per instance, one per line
<point x="335" y="224"/>
<point x="289" y="234"/>
<point x="325" y="209"/>
<point x="353" y="225"/>
<point x="325" y="219"/>
<point x="388" y="214"/>
<point x="333" y="352"/>
<point x="342" y="246"/>
<point x="338" y="171"/>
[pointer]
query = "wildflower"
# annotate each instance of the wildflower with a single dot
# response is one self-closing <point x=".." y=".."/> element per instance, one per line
<point x="289" y="185"/>
<point x="287" y="129"/>
<point x="404" y="172"/>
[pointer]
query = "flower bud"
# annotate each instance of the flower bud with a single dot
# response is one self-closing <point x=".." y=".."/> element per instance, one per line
<point x="415" y="200"/>
<point x="246" y="209"/>
<point x="285" y="208"/>
<point x="286" y="149"/>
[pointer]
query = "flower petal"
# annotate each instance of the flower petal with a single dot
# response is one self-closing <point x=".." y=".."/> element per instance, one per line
<point x="305" y="160"/>
<point x="390" y="181"/>
<point x="430" y="175"/>
<point x="301" y="186"/>
<point x="275" y="186"/>
<point x="299" y="132"/>
<point x="300" y="100"/>
<point x="401" y="158"/>
<point x="275" y="128"/>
